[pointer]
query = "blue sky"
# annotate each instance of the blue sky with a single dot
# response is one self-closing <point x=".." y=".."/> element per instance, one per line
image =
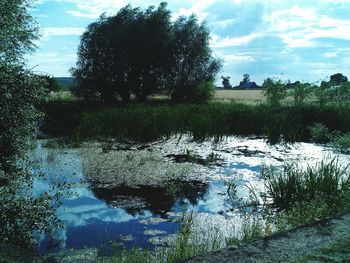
<point x="296" y="39"/>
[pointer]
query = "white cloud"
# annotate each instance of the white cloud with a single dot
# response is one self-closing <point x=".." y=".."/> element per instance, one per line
<point x="330" y="55"/>
<point x="53" y="63"/>
<point x="299" y="27"/>
<point x="239" y="58"/>
<point x="94" y="8"/>
<point x="61" y="31"/>
<point x="224" y="23"/>
<point x="218" y="42"/>
<point x="198" y="9"/>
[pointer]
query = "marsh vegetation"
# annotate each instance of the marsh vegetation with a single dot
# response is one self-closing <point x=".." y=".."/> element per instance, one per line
<point x="139" y="164"/>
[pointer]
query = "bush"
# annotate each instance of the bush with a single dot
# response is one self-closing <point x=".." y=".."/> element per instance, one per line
<point x="275" y="91"/>
<point x="202" y="92"/>
<point x="342" y="142"/>
<point x="301" y="92"/>
<point x="319" y="133"/>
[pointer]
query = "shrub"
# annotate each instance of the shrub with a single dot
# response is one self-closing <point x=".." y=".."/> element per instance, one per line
<point x="319" y="133"/>
<point x="203" y="92"/>
<point x="301" y="92"/>
<point x="275" y="91"/>
<point x="342" y="142"/>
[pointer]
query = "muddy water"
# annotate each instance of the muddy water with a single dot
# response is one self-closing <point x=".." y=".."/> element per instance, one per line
<point x="135" y="195"/>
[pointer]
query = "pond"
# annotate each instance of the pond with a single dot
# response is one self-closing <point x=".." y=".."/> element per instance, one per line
<point x="135" y="195"/>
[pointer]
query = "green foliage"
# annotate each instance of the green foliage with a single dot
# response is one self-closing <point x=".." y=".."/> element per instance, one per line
<point x="192" y="61"/>
<point x="275" y="91"/>
<point x="252" y="229"/>
<point x="226" y="82"/>
<point x="342" y="142"/>
<point x="338" y="79"/>
<point x="18" y="30"/>
<point x="320" y="133"/>
<point x="20" y="93"/>
<point x="123" y="54"/>
<point x="202" y="92"/>
<point x="304" y="213"/>
<point x="22" y="213"/>
<point x="50" y="83"/>
<point x="181" y="248"/>
<point x="293" y="186"/>
<point x="246" y="78"/>
<point x="338" y="251"/>
<point x="336" y="90"/>
<point x="141" y="52"/>
<point x="301" y="92"/>
<point x="214" y="120"/>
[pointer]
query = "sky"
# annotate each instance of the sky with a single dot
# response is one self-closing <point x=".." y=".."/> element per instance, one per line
<point x="306" y="40"/>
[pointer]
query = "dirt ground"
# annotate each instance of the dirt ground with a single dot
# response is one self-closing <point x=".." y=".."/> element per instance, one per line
<point x="285" y="247"/>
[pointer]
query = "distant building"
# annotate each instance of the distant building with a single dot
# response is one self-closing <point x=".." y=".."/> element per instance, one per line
<point x="249" y="85"/>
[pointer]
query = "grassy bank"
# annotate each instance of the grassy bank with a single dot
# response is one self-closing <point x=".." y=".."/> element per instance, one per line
<point x="301" y="196"/>
<point x="339" y="251"/>
<point x="149" y="122"/>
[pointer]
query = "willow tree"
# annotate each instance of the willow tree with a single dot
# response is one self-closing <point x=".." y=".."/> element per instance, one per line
<point x="141" y="52"/>
<point x="21" y="212"/>
<point x="124" y="54"/>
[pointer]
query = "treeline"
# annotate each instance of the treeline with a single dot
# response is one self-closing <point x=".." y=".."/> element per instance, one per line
<point x="334" y="90"/>
<point x="137" y="53"/>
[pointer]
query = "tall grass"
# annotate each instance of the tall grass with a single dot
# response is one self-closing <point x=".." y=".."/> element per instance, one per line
<point x="298" y="196"/>
<point x="293" y="186"/>
<point x="182" y="248"/>
<point x="214" y="120"/>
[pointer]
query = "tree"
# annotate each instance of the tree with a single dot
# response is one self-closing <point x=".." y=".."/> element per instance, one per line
<point x="50" y="83"/>
<point x="18" y="30"/>
<point x="124" y="54"/>
<point x="142" y="52"/>
<point x="300" y="92"/>
<point x="226" y="82"/>
<point x="246" y="78"/>
<point x="192" y="62"/>
<point x="338" y="79"/>
<point x="274" y="90"/>
<point x="21" y="212"/>
<point x="337" y="89"/>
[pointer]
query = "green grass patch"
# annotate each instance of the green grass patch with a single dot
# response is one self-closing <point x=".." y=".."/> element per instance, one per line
<point x="302" y="196"/>
<point x="328" y="180"/>
<point x="338" y="251"/>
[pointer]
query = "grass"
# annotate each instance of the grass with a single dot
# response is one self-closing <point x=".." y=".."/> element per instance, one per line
<point x="339" y="251"/>
<point x="61" y="96"/>
<point x="342" y="143"/>
<point x="328" y="181"/>
<point x="302" y="196"/>
<point x="142" y="122"/>
<point x="183" y="247"/>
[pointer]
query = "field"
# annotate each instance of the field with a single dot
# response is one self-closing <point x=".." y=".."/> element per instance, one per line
<point x="240" y="95"/>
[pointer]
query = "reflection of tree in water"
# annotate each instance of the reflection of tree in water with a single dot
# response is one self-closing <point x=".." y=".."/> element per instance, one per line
<point x="159" y="200"/>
